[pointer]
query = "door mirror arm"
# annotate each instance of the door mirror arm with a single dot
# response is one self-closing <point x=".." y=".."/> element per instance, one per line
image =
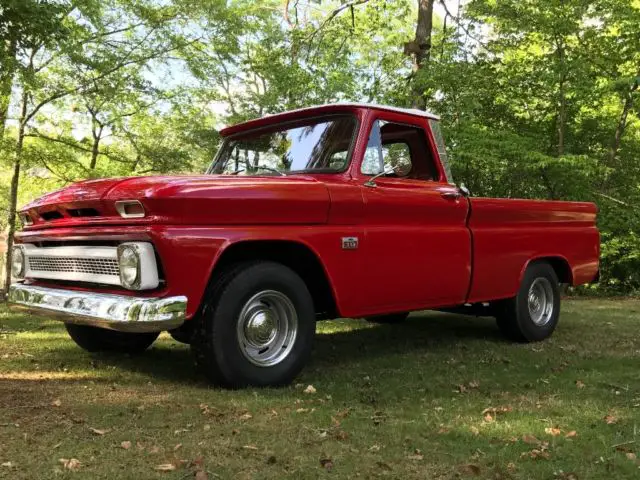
<point x="464" y="190"/>
<point x="371" y="183"/>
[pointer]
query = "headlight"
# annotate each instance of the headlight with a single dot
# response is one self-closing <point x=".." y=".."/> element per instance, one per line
<point x="129" y="263"/>
<point x="18" y="264"/>
<point x="138" y="267"/>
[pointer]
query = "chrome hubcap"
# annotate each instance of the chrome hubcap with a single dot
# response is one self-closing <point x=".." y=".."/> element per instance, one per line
<point x="540" y="301"/>
<point x="267" y="328"/>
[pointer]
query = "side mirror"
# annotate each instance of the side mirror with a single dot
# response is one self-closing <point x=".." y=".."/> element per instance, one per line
<point x="464" y="190"/>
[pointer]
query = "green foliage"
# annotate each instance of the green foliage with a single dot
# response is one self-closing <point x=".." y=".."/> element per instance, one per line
<point x="538" y="98"/>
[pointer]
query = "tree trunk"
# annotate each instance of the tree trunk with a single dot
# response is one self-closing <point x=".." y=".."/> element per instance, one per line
<point x="622" y="122"/>
<point x="561" y="118"/>
<point x="420" y="49"/>
<point x="6" y="83"/>
<point x="95" y="148"/>
<point x="13" y="194"/>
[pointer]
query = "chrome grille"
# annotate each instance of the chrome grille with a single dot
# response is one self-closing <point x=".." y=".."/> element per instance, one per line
<point x="92" y="266"/>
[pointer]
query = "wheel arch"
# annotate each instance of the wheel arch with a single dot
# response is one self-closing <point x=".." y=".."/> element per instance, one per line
<point x="297" y="255"/>
<point x="560" y="265"/>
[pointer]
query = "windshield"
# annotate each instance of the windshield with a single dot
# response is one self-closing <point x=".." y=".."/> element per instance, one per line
<point x="319" y="145"/>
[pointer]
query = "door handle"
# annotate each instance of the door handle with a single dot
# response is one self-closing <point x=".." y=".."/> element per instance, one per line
<point x="450" y="195"/>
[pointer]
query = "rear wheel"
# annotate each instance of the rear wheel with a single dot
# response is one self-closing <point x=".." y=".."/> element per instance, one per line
<point x="389" y="318"/>
<point x="532" y="315"/>
<point x="256" y="328"/>
<point x="94" y="339"/>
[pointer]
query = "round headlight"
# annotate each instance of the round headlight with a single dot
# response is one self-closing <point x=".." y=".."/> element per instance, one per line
<point x="129" y="263"/>
<point x="17" y="262"/>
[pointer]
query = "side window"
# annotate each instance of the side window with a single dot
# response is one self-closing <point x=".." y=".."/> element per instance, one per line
<point x="401" y="150"/>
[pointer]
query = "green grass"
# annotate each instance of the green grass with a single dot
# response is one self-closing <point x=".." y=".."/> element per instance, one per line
<point x="401" y="402"/>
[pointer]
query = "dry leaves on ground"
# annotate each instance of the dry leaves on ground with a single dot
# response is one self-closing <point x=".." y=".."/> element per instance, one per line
<point x="126" y="445"/>
<point x="553" y="431"/>
<point x="70" y="463"/>
<point x="310" y="389"/>
<point x="165" y="467"/>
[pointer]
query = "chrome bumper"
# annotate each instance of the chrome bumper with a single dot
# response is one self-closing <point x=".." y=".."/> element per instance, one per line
<point x="116" y="312"/>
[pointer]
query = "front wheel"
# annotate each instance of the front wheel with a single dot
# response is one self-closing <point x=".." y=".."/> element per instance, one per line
<point x="94" y="339"/>
<point x="256" y="328"/>
<point x="532" y="315"/>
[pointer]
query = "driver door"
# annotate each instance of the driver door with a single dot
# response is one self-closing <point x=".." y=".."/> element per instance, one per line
<point x="417" y="246"/>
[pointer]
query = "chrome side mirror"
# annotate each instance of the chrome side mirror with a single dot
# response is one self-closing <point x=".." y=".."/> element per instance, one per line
<point x="464" y="190"/>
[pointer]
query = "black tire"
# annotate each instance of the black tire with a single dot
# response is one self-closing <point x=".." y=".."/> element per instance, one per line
<point x="389" y="318"/>
<point x="216" y="342"/>
<point x="514" y="317"/>
<point x="94" y="339"/>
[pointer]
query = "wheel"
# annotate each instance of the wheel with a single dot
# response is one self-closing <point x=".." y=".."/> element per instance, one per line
<point x="389" y="318"/>
<point x="256" y="328"/>
<point x="94" y="339"/>
<point x="532" y="315"/>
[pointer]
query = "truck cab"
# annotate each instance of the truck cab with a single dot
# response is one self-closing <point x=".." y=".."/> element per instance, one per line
<point x="342" y="210"/>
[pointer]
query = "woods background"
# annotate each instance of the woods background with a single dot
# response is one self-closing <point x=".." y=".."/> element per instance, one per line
<point x="539" y="98"/>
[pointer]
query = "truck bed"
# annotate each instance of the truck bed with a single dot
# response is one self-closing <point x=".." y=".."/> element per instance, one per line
<point x="507" y="234"/>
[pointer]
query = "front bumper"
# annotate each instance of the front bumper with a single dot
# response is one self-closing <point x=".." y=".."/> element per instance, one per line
<point x="116" y="312"/>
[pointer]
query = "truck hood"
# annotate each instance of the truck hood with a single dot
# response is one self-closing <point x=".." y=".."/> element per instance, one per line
<point x="188" y="200"/>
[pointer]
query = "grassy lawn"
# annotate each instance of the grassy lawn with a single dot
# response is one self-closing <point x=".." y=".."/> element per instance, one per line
<point x="441" y="396"/>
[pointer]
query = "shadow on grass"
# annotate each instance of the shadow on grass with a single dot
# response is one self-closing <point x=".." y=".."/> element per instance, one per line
<point x="421" y="333"/>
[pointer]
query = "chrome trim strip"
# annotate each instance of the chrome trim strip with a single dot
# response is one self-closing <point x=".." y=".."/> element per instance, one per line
<point x="116" y="312"/>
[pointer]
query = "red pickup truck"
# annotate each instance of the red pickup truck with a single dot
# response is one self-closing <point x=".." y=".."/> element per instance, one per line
<point x="343" y="210"/>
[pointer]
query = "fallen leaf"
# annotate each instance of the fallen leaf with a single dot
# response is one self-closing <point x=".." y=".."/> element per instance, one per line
<point x="579" y="384"/>
<point x="246" y="416"/>
<point x="181" y="430"/>
<point x="474" y="384"/>
<point x="201" y="475"/>
<point x="302" y="410"/>
<point x="497" y="410"/>
<point x="374" y="448"/>
<point x="250" y="447"/>
<point x="571" y="434"/>
<point x="462" y="388"/>
<point x="631" y="455"/>
<point x="327" y="464"/>
<point x="165" y="467"/>
<point x="310" y="389"/>
<point x="610" y="419"/>
<point x="98" y="431"/>
<point x="530" y="439"/>
<point x="177" y="447"/>
<point x="470" y="469"/>
<point x="7" y="464"/>
<point x="70" y="463"/>
<point x="488" y="418"/>
<point x="126" y="445"/>
<point x="207" y="427"/>
<point x="154" y="449"/>
<point x="536" y="454"/>
<point x="553" y="431"/>
<point x="56" y="403"/>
